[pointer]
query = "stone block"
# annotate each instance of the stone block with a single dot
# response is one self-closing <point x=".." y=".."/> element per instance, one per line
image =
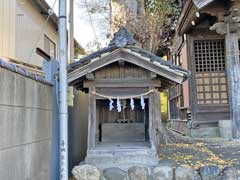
<point x="114" y="173"/>
<point x="225" y="129"/>
<point x="138" y="173"/>
<point x="86" y="172"/>
<point x="205" y="132"/>
<point x="209" y="172"/>
<point x="186" y="173"/>
<point x="230" y="173"/>
<point x="162" y="173"/>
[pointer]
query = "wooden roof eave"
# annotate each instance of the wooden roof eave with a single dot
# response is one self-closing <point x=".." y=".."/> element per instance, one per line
<point x="127" y="55"/>
<point x="43" y="6"/>
<point x="188" y="14"/>
<point x="202" y="3"/>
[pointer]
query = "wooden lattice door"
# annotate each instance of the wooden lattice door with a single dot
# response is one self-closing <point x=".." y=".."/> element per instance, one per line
<point x="210" y="75"/>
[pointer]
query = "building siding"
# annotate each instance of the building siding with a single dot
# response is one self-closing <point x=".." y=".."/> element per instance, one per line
<point x="7" y="30"/>
<point x="28" y="30"/>
<point x="21" y="24"/>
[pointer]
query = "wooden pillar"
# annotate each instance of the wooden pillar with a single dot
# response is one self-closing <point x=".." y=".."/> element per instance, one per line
<point x="155" y="120"/>
<point x="158" y="116"/>
<point x="233" y="77"/>
<point x="151" y="117"/>
<point x="91" y="119"/>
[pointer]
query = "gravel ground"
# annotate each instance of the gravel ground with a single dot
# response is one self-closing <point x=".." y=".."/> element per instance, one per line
<point x="216" y="152"/>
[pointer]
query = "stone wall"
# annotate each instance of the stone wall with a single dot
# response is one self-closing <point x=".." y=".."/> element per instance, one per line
<point x="160" y="172"/>
<point x="25" y="127"/>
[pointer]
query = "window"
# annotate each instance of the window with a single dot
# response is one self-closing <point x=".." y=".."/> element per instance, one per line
<point x="176" y="95"/>
<point x="49" y="47"/>
<point x="176" y="101"/>
<point x="211" y="82"/>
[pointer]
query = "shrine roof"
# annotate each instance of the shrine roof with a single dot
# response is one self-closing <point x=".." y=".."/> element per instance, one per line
<point x="123" y="41"/>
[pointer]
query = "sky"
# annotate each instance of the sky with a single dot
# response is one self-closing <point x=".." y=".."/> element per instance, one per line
<point x="86" y="32"/>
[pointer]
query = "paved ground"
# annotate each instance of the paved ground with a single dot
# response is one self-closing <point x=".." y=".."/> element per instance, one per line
<point x="217" y="152"/>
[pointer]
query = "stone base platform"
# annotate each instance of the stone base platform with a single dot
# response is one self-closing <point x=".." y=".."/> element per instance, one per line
<point x="122" y="158"/>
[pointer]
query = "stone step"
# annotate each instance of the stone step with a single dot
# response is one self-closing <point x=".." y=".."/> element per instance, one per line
<point x="121" y="152"/>
<point x="122" y="162"/>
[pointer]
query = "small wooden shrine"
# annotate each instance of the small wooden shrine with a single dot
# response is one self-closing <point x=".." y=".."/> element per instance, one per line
<point x="123" y="82"/>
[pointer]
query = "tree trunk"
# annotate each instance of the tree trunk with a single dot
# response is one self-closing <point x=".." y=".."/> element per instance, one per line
<point x="165" y="135"/>
<point x="136" y="9"/>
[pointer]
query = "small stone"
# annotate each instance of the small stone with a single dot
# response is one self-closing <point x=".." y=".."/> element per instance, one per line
<point x="86" y="172"/>
<point x="230" y="173"/>
<point x="186" y="173"/>
<point x="162" y="173"/>
<point x="209" y="172"/>
<point x="114" y="174"/>
<point x="138" y="173"/>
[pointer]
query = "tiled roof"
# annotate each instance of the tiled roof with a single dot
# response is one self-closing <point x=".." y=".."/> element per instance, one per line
<point x="124" y="39"/>
<point x="23" y="72"/>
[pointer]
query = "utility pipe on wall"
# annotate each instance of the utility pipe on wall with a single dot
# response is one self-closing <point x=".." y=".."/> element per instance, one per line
<point x="63" y="108"/>
<point x="71" y="32"/>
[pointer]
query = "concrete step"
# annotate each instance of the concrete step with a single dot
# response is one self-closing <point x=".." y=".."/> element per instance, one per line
<point x="123" y="162"/>
<point x="114" y="152"/>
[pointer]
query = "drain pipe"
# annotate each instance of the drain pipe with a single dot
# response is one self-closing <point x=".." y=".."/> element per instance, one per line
<point x="63" y="108"/>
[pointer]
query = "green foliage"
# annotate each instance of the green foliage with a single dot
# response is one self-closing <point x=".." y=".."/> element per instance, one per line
<point x="160" y="9"/>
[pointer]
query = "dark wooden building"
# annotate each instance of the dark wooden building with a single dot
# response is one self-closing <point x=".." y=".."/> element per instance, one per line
<point x="123" y="82"/>
<point x="206" y="42"/>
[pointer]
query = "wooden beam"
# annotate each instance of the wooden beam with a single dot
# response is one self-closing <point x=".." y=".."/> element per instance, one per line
<point x="124" y="83"/>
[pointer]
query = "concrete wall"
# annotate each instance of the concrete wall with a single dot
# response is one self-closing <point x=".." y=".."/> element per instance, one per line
<point x="25" y="128"/>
